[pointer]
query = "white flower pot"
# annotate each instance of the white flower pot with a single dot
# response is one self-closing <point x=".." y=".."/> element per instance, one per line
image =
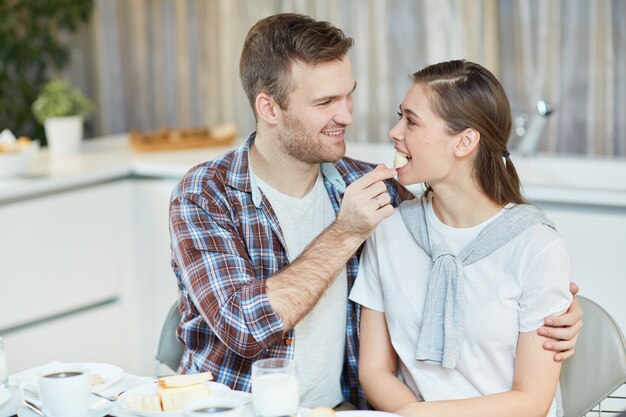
<point x="64" y="134"/>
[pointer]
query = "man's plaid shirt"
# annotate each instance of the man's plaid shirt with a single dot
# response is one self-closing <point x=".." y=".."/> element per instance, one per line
<point x="226" y="241"/>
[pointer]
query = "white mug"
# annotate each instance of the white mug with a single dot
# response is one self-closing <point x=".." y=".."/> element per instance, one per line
<point x="63" y="390"/>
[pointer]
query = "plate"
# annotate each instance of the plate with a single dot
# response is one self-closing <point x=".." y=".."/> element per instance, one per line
<point x="109" y="373"/>
<point x="216" y="389"/>
<point x="365" y="413"/>
<point x="4" y="395"/>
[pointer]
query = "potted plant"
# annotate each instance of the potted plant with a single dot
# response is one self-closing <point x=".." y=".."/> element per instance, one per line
<point x="62" y="110"/>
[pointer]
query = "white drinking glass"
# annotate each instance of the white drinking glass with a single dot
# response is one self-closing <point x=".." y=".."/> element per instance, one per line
<point x="4" y="368"/>
<point x="275" y="390"/>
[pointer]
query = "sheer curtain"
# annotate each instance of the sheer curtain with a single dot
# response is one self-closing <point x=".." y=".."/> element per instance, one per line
<point x="156" y="63"/>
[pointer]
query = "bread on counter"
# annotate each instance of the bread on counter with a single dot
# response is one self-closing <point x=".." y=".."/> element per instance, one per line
<point x="172" y="139"/>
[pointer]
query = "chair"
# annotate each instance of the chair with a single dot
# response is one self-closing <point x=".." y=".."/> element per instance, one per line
<point x="598" y="367"/>
<point x="170" y="349"/>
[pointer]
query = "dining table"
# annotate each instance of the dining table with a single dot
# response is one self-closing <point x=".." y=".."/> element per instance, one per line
<point x="114" y="406"/>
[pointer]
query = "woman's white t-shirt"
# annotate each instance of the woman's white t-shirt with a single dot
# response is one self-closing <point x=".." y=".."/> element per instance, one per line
<point x="510" y="291"/>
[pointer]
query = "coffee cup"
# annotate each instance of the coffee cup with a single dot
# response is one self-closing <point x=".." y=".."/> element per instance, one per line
<point x="214" y="407"/>
<point x="61" y="390"/>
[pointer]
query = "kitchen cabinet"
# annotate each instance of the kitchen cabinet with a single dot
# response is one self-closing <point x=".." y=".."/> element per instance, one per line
<point x="65" y="256"/>
<point x="155" y="283"/>
<point x="596" y="238"/>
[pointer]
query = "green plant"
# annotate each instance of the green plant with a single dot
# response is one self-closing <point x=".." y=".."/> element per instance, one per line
<point x="30" y="50"/>
<point x="58" y="99"/>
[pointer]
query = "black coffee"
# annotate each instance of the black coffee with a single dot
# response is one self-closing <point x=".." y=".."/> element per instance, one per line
<point x="63" y="375"/>
<point x="213" y="409"/>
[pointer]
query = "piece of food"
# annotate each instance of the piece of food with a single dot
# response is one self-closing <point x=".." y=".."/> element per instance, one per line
<point x="172" y="394"/>
<point x="8" y="145"/>
<point x="322" y="412"/>
<point x="175" y="381"/>
<point x="97" y="379"/>
<point x="400" y="160"/>
<point x="143" y="402"/>
<point x="174" y="399"/>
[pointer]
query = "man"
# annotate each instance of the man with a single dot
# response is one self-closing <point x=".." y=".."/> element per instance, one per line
<point x="265" y="239"/>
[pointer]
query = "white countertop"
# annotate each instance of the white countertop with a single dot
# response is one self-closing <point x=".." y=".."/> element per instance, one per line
<point x="569" y="180"/>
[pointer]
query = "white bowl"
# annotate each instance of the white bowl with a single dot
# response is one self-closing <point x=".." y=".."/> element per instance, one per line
<point x="16" y="163"/>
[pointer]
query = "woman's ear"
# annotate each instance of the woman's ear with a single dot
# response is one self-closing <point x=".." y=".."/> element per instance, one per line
<point x="266" y="108"/>
<point x="467" y="142"/>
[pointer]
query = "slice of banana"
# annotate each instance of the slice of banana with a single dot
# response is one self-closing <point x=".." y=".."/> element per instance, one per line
<point x="399" y="160"/>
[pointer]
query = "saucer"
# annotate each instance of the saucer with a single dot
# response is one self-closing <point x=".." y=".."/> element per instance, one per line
<point x="100" y="408"/>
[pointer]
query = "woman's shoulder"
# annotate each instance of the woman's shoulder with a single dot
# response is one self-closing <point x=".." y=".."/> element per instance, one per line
<point x="392" y="229"/>
<point x="540" y="242"/>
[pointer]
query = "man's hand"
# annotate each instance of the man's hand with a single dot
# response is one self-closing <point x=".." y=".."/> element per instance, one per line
<point x="366" y="203"/>
<point x="564" y="328"/>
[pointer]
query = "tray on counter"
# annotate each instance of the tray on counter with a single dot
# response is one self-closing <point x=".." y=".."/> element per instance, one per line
<point x="172" y="139"/>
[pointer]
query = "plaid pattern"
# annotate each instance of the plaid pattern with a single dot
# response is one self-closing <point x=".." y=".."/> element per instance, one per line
<point x="226" y="241"/>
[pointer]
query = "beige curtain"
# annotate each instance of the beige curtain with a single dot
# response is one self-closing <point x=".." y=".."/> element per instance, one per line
<point x="156" y="63"/>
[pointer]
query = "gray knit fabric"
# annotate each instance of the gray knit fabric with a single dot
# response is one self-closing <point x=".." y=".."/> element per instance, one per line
<point x="443" y="318"/>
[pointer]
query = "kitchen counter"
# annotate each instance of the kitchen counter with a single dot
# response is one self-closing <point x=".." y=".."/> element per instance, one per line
<point x="554" y="179"/>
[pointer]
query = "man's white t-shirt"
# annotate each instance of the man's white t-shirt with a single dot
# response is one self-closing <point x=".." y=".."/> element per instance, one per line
<point x="319" y="338"/>
<point x="510" y="291"/>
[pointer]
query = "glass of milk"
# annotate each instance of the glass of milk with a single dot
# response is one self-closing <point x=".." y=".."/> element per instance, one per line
<point x="275" y="390"/>
<point x="4" y="369"/>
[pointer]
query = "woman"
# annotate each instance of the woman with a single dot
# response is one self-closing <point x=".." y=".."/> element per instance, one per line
<point x="455" y="284"/>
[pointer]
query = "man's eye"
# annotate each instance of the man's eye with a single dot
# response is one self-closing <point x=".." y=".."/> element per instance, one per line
<point x="324" y="103"/>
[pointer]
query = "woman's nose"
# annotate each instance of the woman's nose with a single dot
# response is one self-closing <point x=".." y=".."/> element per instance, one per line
<point x="396" y="132"/>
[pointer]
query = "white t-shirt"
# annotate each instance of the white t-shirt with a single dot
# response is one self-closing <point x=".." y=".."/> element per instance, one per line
<point x="320" y="337"/>
<point x="510" y="291"/>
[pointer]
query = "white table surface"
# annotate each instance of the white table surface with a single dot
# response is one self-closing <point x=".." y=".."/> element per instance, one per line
<point x="14" y="405"/>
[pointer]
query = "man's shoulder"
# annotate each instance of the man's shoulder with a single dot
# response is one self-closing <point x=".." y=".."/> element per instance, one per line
<point x="211" y="174"/>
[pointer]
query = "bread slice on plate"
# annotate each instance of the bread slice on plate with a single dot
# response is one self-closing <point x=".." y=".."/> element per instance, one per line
<point x="175" y="381"/>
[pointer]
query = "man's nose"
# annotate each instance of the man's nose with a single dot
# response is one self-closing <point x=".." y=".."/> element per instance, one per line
<point x="344" y="112"/>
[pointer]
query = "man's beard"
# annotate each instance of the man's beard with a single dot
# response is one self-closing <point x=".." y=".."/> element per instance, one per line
<point x="305" y="146"/>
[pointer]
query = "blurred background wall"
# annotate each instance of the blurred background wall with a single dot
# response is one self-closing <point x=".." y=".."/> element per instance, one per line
<point x="174" y="63"/>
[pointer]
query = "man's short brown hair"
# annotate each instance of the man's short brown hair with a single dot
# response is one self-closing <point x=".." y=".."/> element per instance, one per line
<point x="275" y="42"/>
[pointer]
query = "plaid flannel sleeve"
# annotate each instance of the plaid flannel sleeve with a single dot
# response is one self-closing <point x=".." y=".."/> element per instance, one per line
<point x="219" y="276"/>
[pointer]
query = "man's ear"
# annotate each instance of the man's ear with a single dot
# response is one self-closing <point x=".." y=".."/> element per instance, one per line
<point x="266" y="108"/>
<point x="467" y="141"/>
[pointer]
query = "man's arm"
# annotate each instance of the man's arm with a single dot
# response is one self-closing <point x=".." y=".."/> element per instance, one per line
<point x="564" y="329"/>
<point x="250" y="314"/>
<point x="294" y="291"/>
<point x="213" y="264"/>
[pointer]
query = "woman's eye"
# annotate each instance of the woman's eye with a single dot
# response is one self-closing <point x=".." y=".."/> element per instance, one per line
<point x="410" y="122"/>
<point x="399" y="114"/>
